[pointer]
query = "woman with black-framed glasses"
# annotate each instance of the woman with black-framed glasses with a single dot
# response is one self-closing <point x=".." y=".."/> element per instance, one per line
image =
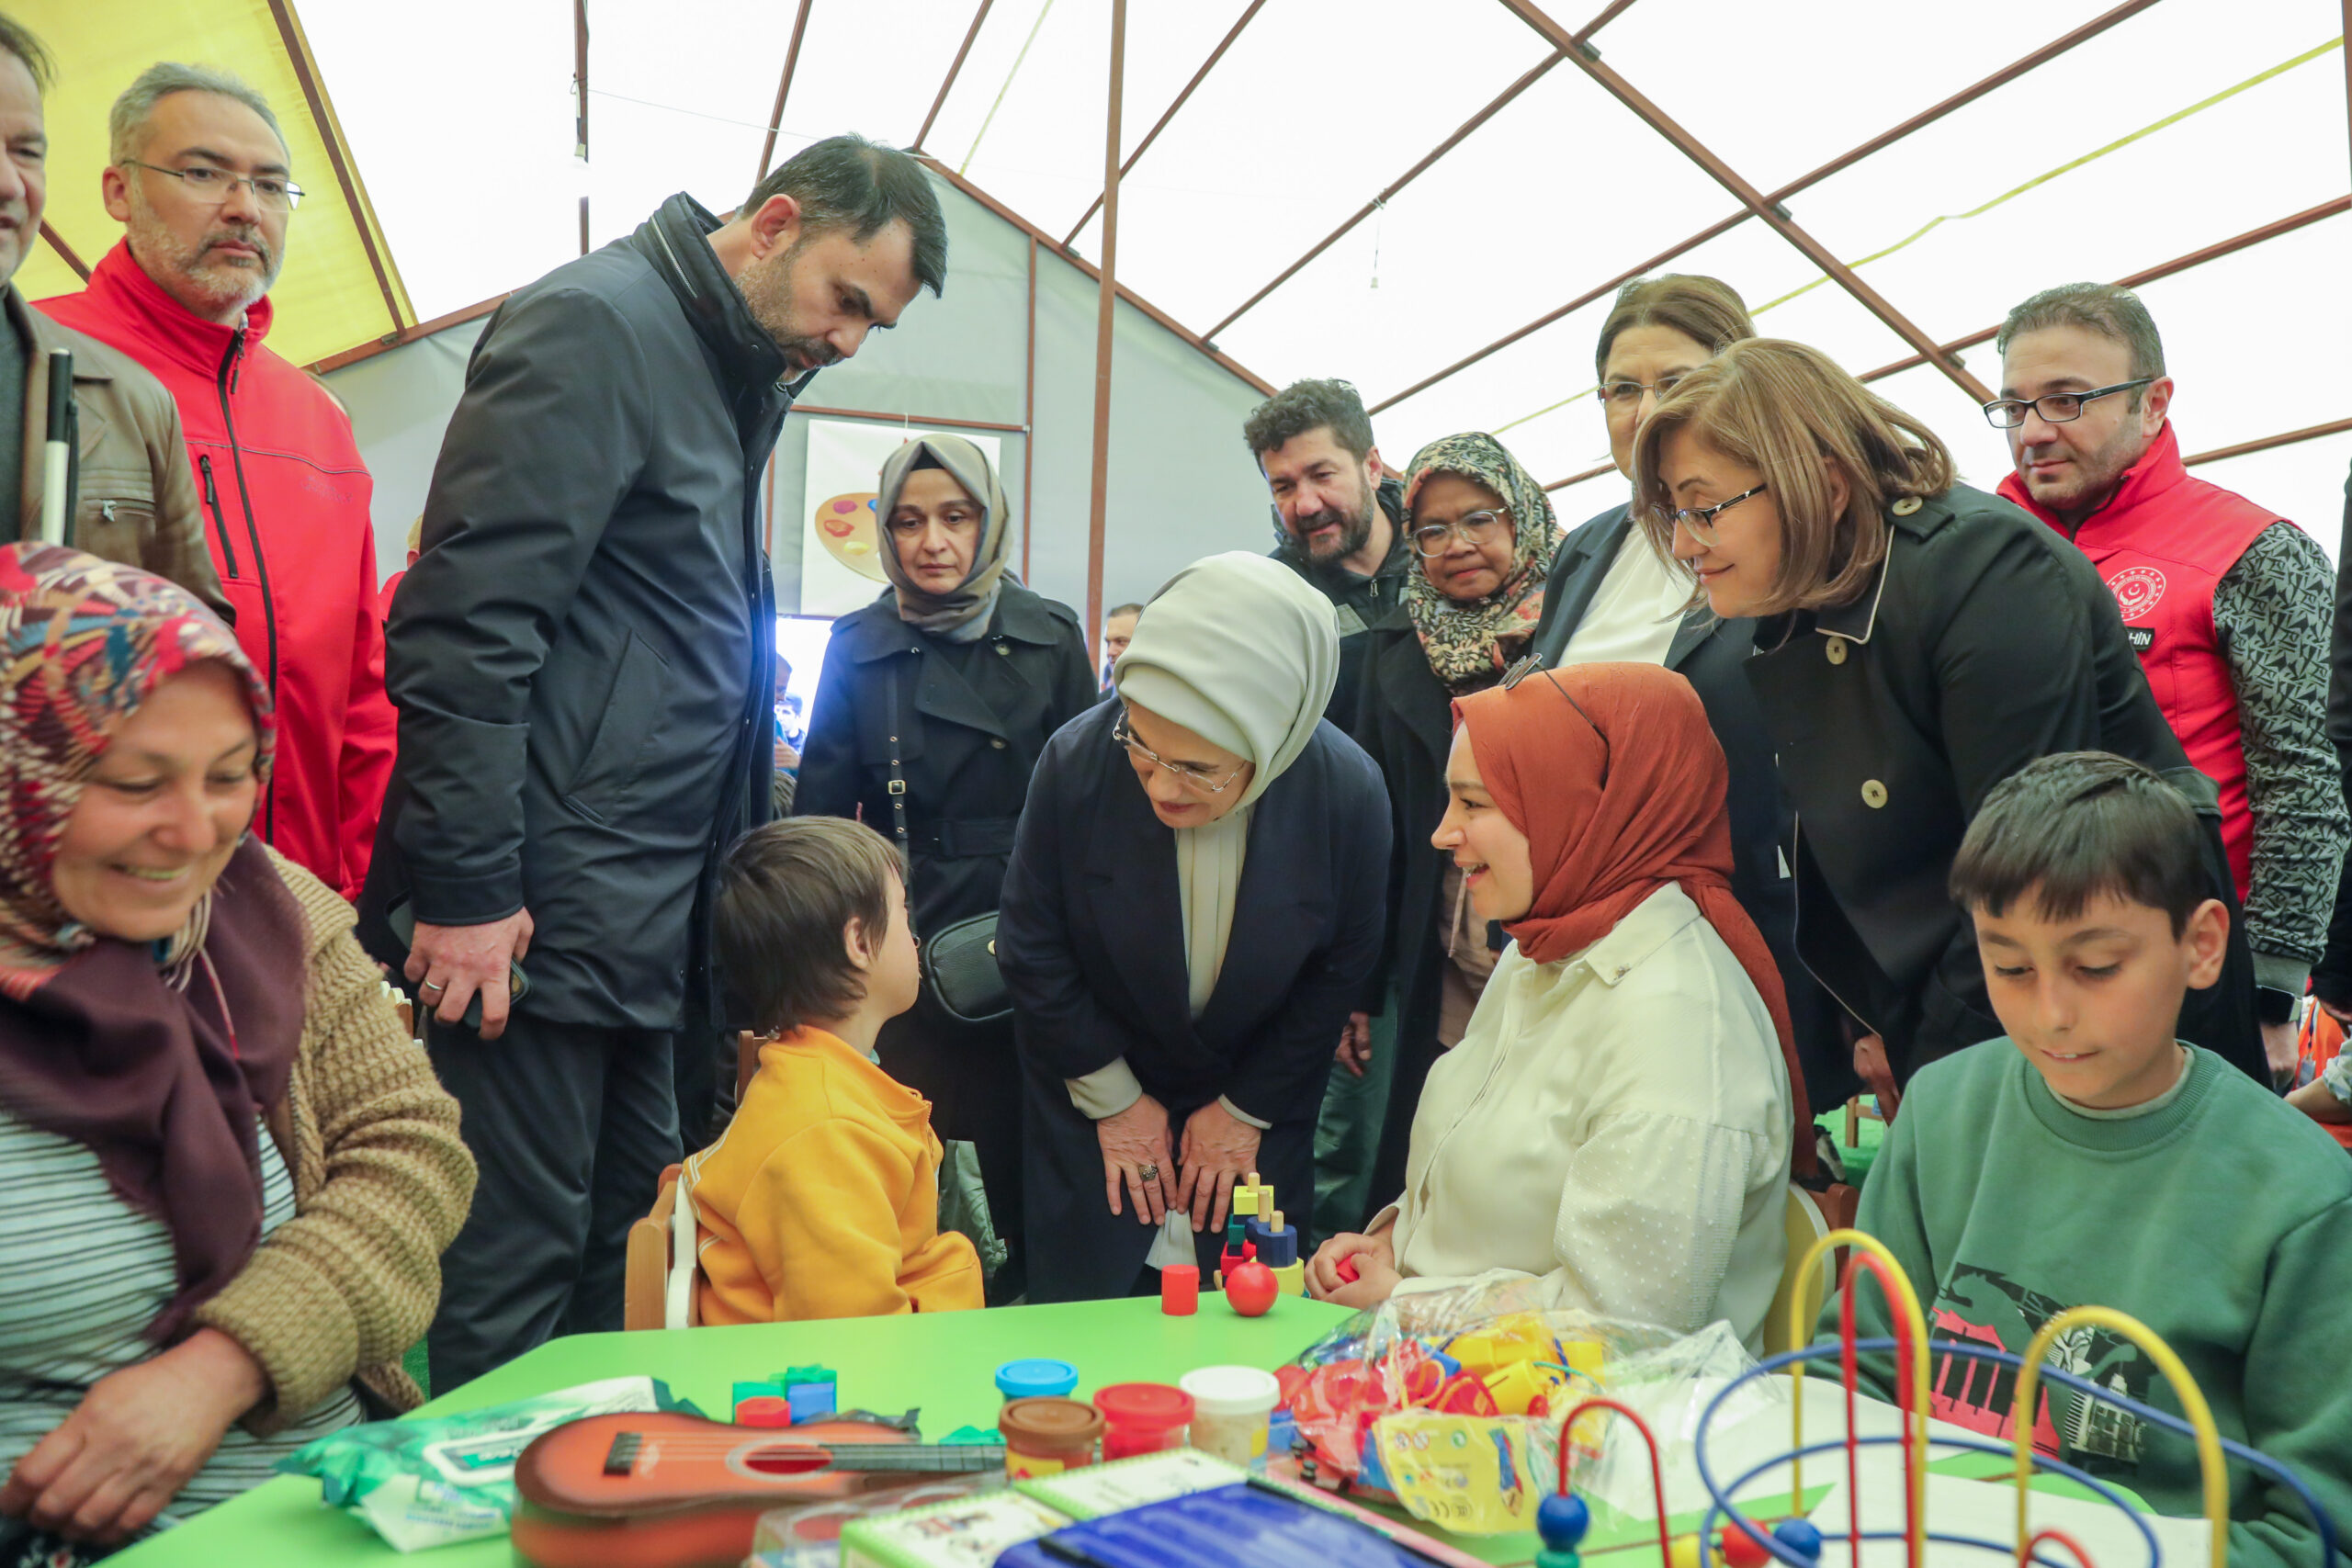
<point x="1483" y="533"/>
<point x="1916" y="642"/>
<point x="1194" y="903"/>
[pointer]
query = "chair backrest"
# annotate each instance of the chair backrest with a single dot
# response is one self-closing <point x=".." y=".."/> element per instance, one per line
<point x="659" y="1286"/>
<point x="1802" y="1223"/>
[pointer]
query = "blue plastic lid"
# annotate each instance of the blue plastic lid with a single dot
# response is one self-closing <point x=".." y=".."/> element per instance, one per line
<point x="1036" y="1376"/>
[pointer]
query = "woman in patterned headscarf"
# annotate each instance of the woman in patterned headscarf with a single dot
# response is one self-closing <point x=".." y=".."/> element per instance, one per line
<point x="226" y="1172"/>
<point x="1483" y="533"/>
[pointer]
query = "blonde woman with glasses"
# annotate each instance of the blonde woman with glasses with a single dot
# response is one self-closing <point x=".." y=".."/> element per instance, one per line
<point x="1916" y="642"/>
<point x="1193" y="904"/>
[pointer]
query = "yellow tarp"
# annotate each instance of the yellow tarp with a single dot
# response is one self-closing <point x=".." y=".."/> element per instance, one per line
<point x="328" y="298"/>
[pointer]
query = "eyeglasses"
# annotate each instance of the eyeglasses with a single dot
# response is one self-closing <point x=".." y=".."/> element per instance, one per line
<point x="213" y="188"/>
<point x="1473" y="528"/>
<point x="2055" y="408"/>
<point x="1624" y="397"/>
<point x="1700" y="522"/>
<point x="1183" y="772"/>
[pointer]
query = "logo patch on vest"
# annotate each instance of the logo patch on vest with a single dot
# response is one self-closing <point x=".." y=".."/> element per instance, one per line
<point x="2142" y="638"/>
<point x="2137" y="590"/>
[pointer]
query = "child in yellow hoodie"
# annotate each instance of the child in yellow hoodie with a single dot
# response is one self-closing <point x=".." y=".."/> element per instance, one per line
<point x="821" y="1199"/>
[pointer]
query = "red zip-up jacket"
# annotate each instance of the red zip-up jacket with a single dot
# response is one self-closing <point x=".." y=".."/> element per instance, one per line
<point x="285" y="497"/>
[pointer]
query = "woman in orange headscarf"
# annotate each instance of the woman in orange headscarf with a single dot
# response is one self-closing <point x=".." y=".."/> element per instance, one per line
<point x="1617" y="1125"/>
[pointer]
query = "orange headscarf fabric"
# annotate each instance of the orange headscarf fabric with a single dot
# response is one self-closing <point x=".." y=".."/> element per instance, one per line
<point x="1614" y="775"/>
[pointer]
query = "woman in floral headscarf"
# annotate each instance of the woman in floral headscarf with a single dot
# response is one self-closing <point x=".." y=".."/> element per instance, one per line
<point x="226" y="1172"/>
<point x="1483" y="532"/>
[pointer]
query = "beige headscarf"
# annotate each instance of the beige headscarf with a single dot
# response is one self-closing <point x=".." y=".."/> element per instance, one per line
<point x="1240" y="650"/>
<point x="963" y="614"/>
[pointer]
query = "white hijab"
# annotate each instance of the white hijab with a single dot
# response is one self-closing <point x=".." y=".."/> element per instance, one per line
<point x="1240" y="650"/>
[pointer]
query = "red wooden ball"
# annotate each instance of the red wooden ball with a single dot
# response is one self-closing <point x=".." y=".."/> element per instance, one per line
<point x="1250" y="1289"/>
<point x="1740" y="1550"/>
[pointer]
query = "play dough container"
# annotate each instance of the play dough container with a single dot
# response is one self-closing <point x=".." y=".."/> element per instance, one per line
<point x="1230" y="1408"/>
<point x="1142" y="1418"/>
<point x="1047" y="1435"/>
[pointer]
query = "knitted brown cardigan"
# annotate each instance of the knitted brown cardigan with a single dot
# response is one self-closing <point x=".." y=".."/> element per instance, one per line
<point x="381" y="1184"/>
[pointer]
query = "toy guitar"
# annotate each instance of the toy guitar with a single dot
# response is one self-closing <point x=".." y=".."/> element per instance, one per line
<point x="656" y="1490"/>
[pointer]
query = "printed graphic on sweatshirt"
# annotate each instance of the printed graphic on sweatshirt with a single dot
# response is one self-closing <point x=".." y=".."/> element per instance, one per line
<point x="1979" y="1306"/>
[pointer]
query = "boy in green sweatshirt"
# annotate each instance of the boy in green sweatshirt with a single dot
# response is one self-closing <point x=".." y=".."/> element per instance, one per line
<point x="2091" y="1159"/>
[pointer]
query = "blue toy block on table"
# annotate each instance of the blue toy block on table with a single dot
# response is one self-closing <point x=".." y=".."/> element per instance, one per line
<point x="811" y="1392"/>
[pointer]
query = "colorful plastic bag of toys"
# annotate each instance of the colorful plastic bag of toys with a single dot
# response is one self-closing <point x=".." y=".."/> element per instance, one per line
<point x="1451" y="1402"/>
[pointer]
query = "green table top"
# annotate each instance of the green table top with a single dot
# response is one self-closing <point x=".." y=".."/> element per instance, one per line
<point x="944" y="1363"/>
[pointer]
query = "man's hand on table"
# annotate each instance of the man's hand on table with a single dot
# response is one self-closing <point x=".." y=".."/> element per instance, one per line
<point x="449" y="963"/>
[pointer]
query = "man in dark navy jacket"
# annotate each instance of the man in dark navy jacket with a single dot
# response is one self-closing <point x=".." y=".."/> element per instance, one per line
<point x="581" y="661"/>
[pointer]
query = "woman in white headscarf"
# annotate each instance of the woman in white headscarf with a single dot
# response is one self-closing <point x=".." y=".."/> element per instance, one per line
<point x="950" y="684"/>
<point x="1194" y="903"/>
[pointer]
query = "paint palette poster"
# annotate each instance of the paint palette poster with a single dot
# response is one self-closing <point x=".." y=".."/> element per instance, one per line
<point x="841" y="537"/>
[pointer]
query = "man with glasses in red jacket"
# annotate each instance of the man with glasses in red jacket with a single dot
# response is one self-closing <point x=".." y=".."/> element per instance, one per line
<point x="2227" y="603"/>
<point x="197" y="173"/>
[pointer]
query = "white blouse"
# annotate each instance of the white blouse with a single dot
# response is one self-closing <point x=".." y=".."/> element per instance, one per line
<point x="1615" y="1126"/>
<point x="1635" y="611"/>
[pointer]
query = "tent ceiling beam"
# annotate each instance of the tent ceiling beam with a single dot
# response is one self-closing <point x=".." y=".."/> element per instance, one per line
<point x="408" y="335"/>
<point x="2271" y="231"/>
<point x="1098" y="505"/>
<point x="1961" y="99"/>
<point x="955" y="69"/>
<point x="1158" y="317"/>
<point x="782" y="87"/>
<point x="1774" y="216"/>
<point x="911" y="420"/>
<point x="1161" y="124"/>
<point x="1533" y="74"/>
<point x="2220" y="248"/>
<point x="579" y="92"/>
<point x="297" y="53"/>
<point x="64" y="251"/>
<point x="2247" y="448"/>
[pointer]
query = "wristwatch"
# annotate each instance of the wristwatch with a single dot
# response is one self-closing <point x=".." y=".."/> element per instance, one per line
<point x="2272" y="1005"/>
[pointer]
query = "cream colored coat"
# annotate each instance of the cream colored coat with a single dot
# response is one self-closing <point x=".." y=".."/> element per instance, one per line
<point x="1616" y="1126"/>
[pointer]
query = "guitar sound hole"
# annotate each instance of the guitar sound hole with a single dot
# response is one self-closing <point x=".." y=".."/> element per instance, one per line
<point x="784" y="1461"/>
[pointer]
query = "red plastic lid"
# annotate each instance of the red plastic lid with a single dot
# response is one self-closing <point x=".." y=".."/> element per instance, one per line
<point x="764" y="1410"/>
<point x="1153" y="1406"/>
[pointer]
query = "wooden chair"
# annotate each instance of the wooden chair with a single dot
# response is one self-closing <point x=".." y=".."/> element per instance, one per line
<point x="663" y="1285"/>
<point x="1803" y="1223"/>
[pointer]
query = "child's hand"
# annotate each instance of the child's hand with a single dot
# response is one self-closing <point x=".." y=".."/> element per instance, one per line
<point x="1134" y="1141"/>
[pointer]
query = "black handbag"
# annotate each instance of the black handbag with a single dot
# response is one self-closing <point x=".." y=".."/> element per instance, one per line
<point x="959" y="971"/>
<point x="958" y="964"/>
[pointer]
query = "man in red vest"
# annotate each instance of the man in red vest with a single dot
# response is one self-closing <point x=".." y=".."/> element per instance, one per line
<point x="197" y="174"/>
<point x="2228" y="603"/>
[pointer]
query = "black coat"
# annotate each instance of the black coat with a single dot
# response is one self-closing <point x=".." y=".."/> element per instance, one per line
<point x="581" y="660"/>
<point x="1361" y="603"/>
<point x="1092" y="943"/>
<point x="1984" y="643"/>
<point x="971" y="720"/>
<point x="1711" y="654"/>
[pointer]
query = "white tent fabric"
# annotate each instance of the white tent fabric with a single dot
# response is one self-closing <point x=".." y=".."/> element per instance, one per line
<point x="2183" y="124"/>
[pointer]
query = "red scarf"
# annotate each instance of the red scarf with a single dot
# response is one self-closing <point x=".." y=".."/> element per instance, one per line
<point x="1613" y="775"/>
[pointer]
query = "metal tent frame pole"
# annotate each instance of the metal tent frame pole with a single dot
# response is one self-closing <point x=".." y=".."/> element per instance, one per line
<point x="1105" y="321"/>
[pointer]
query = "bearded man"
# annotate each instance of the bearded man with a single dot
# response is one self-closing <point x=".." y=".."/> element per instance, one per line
<point x="1337" y="515"/>
<point x="199" y="178"/>
<point x="582" y="660"/>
